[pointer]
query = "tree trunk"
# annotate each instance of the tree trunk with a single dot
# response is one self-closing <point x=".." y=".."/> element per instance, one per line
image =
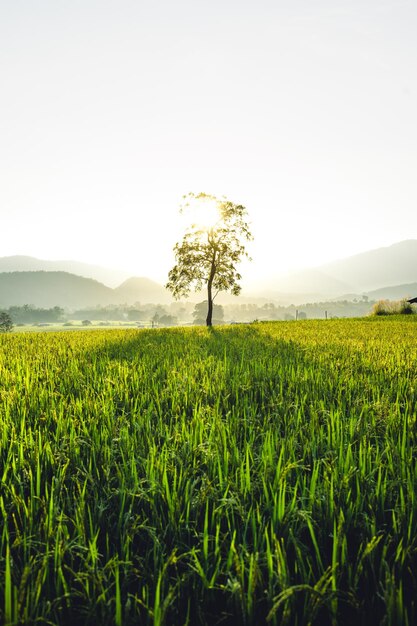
<point x="210" y="290"/>
<point x="210" y="303"/>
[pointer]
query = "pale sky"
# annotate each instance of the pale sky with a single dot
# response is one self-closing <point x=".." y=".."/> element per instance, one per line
<point x="305" y="111"/>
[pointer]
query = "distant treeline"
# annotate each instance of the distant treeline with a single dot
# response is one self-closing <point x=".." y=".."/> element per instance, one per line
<point x="27" y="314"/>
<point x="189" y="312"/>
<point x="310" y="310"/>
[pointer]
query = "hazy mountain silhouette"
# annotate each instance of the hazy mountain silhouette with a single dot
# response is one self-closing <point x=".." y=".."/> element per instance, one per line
<point x="389" y="272"/>
<point x="363" y="273"/>
<point x="137" y="288"/>
<point x="393" y="265"/>
<point x="396" y="292"/>
<point x="49" y="289"/>
<point x="107" y="276"/>
<point x="309" y="281"/>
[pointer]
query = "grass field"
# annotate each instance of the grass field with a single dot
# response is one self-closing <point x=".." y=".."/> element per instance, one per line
<point x="262" y="473"/>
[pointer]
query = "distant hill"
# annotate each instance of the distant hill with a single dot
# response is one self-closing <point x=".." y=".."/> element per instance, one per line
<point x="398" y="292"/>
<point x="140" y="289"/>
<point x="383" y="267"/>
<point x="363" y="273"/>
<point x="389" y="272"/>
<point x="109" y="277"/>
<point x="49" y="289"/>
<point x="305" y="286"/>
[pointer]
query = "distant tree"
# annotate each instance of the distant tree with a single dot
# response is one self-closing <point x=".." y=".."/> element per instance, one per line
<point x="58" y="313"/>
<point x="168" y="320"/>
<point x="86" y="322"/>
<point x="136" y="315"/>
<point x="210" y="250"/>
<point x="200" y="311"/>
<point x="30" y="314"/>
<point x="159" y="310"/>
<point x="288" y="317"/>
<point x="6" y="322"/>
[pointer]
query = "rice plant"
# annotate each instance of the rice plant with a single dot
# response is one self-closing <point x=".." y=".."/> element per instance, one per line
<point x="252" y="474"/>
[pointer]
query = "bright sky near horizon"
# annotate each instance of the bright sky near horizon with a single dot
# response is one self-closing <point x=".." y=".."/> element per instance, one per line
<point x="110" y="111"/>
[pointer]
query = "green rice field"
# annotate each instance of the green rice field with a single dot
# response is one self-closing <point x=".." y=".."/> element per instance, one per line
<point x="251" y="474"/>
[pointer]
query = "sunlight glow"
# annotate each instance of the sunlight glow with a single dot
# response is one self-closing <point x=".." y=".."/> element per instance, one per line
<point x="204" y="213"/>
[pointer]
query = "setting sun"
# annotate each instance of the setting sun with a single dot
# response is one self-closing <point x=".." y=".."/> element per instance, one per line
<point x="203" y="211"/>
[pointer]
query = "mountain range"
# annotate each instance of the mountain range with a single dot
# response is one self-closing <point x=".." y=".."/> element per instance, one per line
<point x="48" y="289"/>
<point x="19" y="263"/>
<point x="389" y="272"/>
<point x="383" y="273"/>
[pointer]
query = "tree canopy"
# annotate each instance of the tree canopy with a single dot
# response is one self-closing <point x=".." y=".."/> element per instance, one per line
<point x="211" y="248"/>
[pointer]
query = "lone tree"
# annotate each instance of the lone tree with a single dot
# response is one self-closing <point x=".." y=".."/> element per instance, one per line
<point x="6" y="322"/>
<point x="211" y="248"/>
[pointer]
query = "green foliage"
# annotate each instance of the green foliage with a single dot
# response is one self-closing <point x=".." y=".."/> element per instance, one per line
<point x="208" y="254"/>
<point x="253" y="474"/>
<point x="6" y="322"/>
